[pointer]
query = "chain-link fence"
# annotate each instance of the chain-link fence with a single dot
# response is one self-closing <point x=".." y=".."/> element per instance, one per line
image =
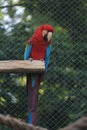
<point x="63" y="93"/>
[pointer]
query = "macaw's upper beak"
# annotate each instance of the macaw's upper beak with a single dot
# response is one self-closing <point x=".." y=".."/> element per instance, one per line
<point x="49" y="36"/>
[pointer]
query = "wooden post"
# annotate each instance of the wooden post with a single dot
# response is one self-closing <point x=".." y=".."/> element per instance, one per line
<point x="34" y="69"/>
<point x="20" y="66"/>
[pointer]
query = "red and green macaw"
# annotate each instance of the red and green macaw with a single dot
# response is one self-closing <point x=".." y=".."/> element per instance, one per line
<point x="37" y="48"/>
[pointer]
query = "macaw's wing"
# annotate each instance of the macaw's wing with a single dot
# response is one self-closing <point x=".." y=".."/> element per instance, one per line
<point x="47" y="56"/>
<point x="27" y="52"/>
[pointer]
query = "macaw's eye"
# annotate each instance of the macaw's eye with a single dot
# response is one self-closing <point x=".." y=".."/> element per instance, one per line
<point x="46" y="37"/>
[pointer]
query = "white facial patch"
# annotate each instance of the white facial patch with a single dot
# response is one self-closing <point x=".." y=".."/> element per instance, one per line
<point x="44" y="32"/>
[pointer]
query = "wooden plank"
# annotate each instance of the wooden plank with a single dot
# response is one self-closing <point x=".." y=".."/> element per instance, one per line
<point x="15" y="66"/>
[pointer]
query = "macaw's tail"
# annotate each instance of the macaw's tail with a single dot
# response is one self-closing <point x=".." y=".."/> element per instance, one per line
<point x="33" y="83"/>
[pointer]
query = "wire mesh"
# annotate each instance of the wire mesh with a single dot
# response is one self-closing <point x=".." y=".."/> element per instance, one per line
<point x="63" y="93"/>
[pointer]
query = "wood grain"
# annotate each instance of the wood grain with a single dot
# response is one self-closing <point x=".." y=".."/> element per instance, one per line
<point x="16" y="66"/>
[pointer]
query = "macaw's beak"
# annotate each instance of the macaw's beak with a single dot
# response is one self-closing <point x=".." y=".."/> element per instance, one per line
<point x="49" y="36"/>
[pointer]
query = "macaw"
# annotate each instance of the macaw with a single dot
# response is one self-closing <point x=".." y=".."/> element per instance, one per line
<point x="37" y="48"/>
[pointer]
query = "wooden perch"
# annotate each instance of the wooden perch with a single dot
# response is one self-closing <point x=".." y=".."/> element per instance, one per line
<point x="15" y="66"/>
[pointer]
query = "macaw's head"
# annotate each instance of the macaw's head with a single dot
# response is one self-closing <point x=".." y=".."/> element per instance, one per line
<point x="42" y="34"/>
<point x="47" y="32"/>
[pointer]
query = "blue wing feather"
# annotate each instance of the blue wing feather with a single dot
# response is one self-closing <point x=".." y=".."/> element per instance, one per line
<point x="27" y="52"/>
<point x="47" y="56"/>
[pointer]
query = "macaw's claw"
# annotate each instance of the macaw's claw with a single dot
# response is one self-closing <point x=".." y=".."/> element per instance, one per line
<point x="31" y="59"/>
<point x="42" y="59"/>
